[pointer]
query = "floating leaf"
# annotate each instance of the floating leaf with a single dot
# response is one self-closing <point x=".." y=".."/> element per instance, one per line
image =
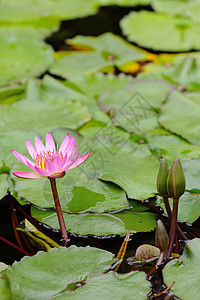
<point x="191" y="170"/>
<point x="178" y="108"/>
<point x="23" y="54"/>
<point x="171" y="146"/>
<point x="185" y="267"/>
<point x="189" y="210"/>
<point x="4" y="185"/>
<point x="135" y="107"/>
<point x="4" y="289"/>
<point x="54" y="271"/>
<point x="124" y="2"/>
<point x="111" y="285"/>
<point x="99" y="224"/>
<point x="178" y="7"/>
<point x="142" y="28"/>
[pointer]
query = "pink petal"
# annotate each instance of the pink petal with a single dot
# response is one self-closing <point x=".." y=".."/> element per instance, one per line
<point x="63" y="162"/>
<point x="64" y="143"/>
<point x="40" y="148"/>
<point x="74" y="151"/>
<point x="49" y="143"/>
<point x="50" y="168"/>
<point x="70" y="147"/>
<point x="79" y="161"/>
<point x="41" y="171"/>
<point x="58" y="163"/>
<point x="31" y="149"/>
<point x="31" y="175"/>
<point x="23" y="159"/>
<point x="69" y="164"/>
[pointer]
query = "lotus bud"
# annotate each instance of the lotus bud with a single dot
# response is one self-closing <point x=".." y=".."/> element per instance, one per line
<point x="176" y="180"/>
<point x="162" y="178"/>
<point x="161" y="237"/>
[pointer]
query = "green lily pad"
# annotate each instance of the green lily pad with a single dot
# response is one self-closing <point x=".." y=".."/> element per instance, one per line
<point x="75" y="63"/>
<point x="189" y="210"/>
<point x="135" y="107"/>
<point x="96" y="84"/>
<point x="124" y="2"/>
<point x="4" y="185"/>
<point x="172" y="146"/>
<point x="43" y="117"/>
<point x="111" y="47"/>
<point x="135" y="173"/>
<point x="142" y="28"/>
<point x="23" y="54"/>
<point x="104" y="52"/>
<point x="185" y="267"/>
<point x="53" y="271"/>
<point x="43" y="14"/>
<point x="132" y="286"/>
<point x="4" y="289"/>
<point x="99" y="224"/>
<point x="191" y="170"/>
<point x="178" y="108"/>
<point x="186" y="8"/>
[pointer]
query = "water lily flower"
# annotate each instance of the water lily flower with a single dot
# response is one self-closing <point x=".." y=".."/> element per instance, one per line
<point x="50" y="161"/>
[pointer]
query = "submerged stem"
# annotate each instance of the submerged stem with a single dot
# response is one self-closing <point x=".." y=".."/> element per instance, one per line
<point x="173" y="226"/>
<point x="59" y="212"/>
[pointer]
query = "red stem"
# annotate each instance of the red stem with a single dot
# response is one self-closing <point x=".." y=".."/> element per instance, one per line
<point x="59" y="212"/>
<point x="14" y="246"/>
<point x="173" y="227"/>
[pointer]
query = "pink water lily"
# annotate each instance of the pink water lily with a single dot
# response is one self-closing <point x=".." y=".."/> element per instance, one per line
<point x="50" y="161"/>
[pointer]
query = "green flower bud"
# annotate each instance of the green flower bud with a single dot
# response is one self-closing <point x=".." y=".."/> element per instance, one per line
<point x="161" y="237"/>
<point x="162" y="178"/>
<point x="176" y="180"/>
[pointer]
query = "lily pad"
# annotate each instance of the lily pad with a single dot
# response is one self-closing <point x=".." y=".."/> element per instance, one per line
<point x="54" y="114"/>
<point x="43" y="14"/>
<point x="124" y="2"/>
<point x="106" y="286"/>
<point x="186" y="8"/>
<point x="189" y="210"/>
<point x="4" y="289"/>
<point x="53" y="271"/>
<point x="191" y="170"/>
<point x="4" y="185"/>
<point x="23" y="54"/>
<point x="99" y="224"/>
<point x="111" y="47"/>
<point x="142" y="28"/>
<point x="185" y="267"/>
<point x="135" y="107"/>
<point x="172" y="146"/>
<point x="178" y="108"/>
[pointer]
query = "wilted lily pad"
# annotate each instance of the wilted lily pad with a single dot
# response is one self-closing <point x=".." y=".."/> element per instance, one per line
<point x="142" y="28"/>
<point x="23" y="54"/>
<point x="185" y="267"/>
<point x="52" y="272"/>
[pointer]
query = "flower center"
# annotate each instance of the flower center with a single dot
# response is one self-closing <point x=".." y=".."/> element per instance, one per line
<point x="42" y="158"/>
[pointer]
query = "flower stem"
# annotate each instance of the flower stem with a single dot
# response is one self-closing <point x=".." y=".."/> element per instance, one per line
<point x="169" y="212"/>
<point x="59" y="212"/>
<point x="173" y="226"/>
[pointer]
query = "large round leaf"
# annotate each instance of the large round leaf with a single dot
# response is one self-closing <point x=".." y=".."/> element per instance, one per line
<point x="178" y="7"/>
<point x="178" y="108"/>
<point x="46" y="274"/>
<point x="187" y="267"/>
<point x="135" y="107"/>
<point x="23" y="54"/>
<point x="189" y="209"/>
<point x="142" y="28"/>
<point x="99" y="224"/>
<point x="107" y="286"/>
